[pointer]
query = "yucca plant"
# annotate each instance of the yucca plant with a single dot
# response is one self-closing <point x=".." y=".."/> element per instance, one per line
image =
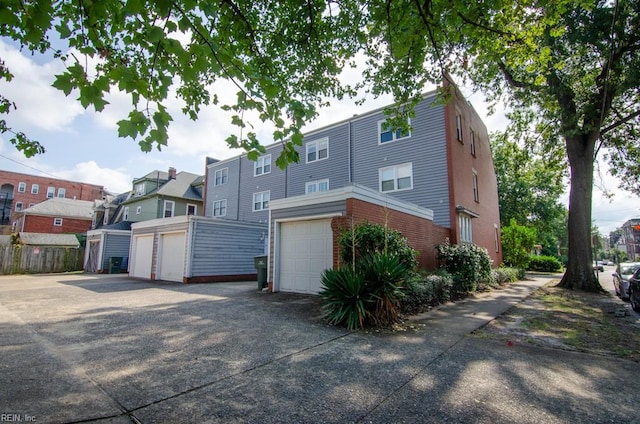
<point x="384" y="275"/>
<point x="345" y="297"/>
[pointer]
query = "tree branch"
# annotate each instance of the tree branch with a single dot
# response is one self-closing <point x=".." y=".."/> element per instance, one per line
<point x="620" y="122"/>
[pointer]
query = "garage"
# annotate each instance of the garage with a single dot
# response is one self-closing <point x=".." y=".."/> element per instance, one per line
<point x="306" y="249"/>
<point x="142" y="253"/>
<point x="172" y="249"/>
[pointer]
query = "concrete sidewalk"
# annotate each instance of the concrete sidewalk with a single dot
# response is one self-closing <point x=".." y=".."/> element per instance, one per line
<point x="116" y="350"/>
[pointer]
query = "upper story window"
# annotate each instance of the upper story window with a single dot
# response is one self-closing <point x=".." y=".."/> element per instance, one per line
<point x="496" y="238"/>
<point x="459" y="126"/>
<point x="105" y="218"/>
<point x="261" y="201"/>
<point x="472" y="142"/>
<point x="262" y="165"/>
<point x="317" y="150"/>
<point x="138" y="210"/>
<point x="139" y="189"/>
<point x="476" y="195"/>
<point x="62" y="192"/>
<point x="22" y="187"/>
<point x="221" y="176"/>
<point x="220" y="207"/>
<point x="57" y="222"/>
<point x="466" y="229"/>
<point x="387" y="134"/>
<point x="35" y="188"/>
<point x="169" y="207"/>
<point x="192" y="209"/>
<point x="51" y="192"/>
<point x="18" y="206"/>
<point x="316" y="186"/>
<point x="395" y="178"/>
<point x="125" y="214"/>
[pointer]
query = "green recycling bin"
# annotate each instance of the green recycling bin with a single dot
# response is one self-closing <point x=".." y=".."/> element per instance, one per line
<point x="261" y="267"/>
<point x="115" y="263"/>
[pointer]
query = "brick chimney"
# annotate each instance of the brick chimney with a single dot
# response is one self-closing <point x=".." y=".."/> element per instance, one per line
<point x="172" y="173"/>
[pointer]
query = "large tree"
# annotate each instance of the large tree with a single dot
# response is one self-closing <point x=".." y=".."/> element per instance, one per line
<point x="568" y="69"/>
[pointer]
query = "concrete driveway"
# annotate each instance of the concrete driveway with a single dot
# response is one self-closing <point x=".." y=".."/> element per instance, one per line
<point x="109" y="349"/>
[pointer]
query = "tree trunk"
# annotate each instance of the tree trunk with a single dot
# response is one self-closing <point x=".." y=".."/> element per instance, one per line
<point x="579" y="274"/>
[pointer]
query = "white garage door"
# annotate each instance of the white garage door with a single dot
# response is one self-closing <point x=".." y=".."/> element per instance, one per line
<point x="172" y="255"/>
<point x="306" y="249"/>
<point x="142" y="254"/>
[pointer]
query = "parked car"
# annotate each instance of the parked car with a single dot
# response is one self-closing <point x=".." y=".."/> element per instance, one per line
<point x="624" y="271"/>
<point x="598" y="266"/>
<point x="634" y="290"/>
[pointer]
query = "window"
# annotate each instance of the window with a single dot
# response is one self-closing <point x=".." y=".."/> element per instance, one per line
<point x="466" y="235"/>
<point x="496" y="237"/>
<point x="261" y="201"/>
<point x="125" y="214"/>
<point x="62" y="192"/>
<point x="221" y="176"/>
<point x="138" y="210"/>
<point x="316" y="186"/>
<point x="31" y="204"/>
<point x="317" y="150"/>
<point x="18" y="206"/>
<point x="35" y="188"/>
<point x="386" y="134"/>
<point x="51" y="191"/>
<point x="192" y="209"/>
<point x="139" y="189"/>
<point x="57" y="222"/>
<point x="169" y="206"/>
<point x="394" y="178"/>
<point x="472" y="143"/>
<point x="459" y="126"/>
<point x="262" y="165"/>
<point x="105" y="219"/>
<point x="476" y="196"/>
<point x="220" y="207"/>
<point x="22" y="187"/>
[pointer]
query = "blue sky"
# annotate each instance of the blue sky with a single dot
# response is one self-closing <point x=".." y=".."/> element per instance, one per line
<point x="84" y="146"/>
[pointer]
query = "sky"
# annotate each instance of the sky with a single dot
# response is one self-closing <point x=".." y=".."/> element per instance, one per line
<point x="82" y="145"/>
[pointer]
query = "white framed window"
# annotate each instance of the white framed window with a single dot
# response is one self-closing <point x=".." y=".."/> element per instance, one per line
<point x="139" y="189"/>
<point x="318" y="150"/>
<point x="496" y="237"/>
<point x="18" y="206"/>
<point x="261" y="201"/>
<point x="220" y="207"/>
<point x="396" y="178"/>
<point x="105" y="218"/>
<point x="192" y="209"/>
<point x="22" y="187"/>
<point x="125" y="214"/>
<point x="138" y="210"/>
<point x="466" y="229"/>
<point x="316" y="186"/>
<point x="221" y="176"/>
<point x="476" y="195"/>
<point x="51" y="192"/>
<point x="31" y="204"/>
<point x="35" y="188"/>
<point x="57" y="222"/>
<point x="459" y="126"/>
<point x="169" y="207"/>
<point x="262" y="165"/>
<point x="62" y="192"/>
<point x="472" y="142"/>
<point x="386" y="134"/>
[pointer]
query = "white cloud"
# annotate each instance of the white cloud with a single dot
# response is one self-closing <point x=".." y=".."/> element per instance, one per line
<point x="113" y="180"/>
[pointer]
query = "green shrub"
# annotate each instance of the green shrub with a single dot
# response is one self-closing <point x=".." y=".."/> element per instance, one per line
<point x="374" y="238"/>
<point x="368" y="295"/>
<point x="544" y="264"/>
<point x="424" y="290"/>
<point x="468" y="264"/>
<point x="517" y="242"/>
<point x="504" y="275"/>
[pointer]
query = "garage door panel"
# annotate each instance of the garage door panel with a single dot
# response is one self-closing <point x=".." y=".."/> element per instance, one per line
<point x="172" y="258"/>
<point x="143" y="254"/>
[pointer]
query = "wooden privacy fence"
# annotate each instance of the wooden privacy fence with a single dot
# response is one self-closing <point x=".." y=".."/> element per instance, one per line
<point x="20" y="259"/>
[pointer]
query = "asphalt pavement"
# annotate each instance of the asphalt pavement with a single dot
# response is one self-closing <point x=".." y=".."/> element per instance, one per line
<point x="109" y="349"/>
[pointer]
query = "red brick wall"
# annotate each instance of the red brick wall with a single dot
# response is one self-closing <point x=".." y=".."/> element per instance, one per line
<point x="44" y="224"/>
<point x="421" y="234"/>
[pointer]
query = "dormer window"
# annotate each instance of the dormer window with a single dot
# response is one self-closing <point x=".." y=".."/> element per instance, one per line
<point x="139" y="189"/>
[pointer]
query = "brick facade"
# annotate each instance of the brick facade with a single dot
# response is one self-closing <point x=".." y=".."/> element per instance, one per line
<point x="44" y="224"/>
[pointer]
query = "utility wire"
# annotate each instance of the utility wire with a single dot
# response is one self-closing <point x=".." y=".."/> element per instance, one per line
<point x="31" y="167"/>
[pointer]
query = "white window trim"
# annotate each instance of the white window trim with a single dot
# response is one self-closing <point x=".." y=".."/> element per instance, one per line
<point x="138" y="210"/>
<point x="317" y="144"/>
<point x="223" y="181"/>
<point x="57" y="222"/>
<point x="466" y="228"/>
<point x="164" y="208"/>
<point x="125" y="214"/>
<point x="497" y="237"/>
<point x="317" y="185"/>
<point x="262" y="201"/>
<point x="472" y="143"/>
<point x="393" y="133"/>
<point x="459" y="131"/>
<point x="51" y="192"/>
<point x="22" y="187"/>
<point x="219" y="202"/>
<point x="19" y="206"/>
<point x="62" y="192"/>
<point x="195" y="208"/>
<point x="35" y="188"/>
<point x="476" y="191"/>
<point x="395" y="177"/>
<point x="139" y="189"/>
<point x="260" y="163"/>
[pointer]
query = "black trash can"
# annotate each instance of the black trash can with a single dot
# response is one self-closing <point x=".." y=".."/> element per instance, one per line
<point x="260" y="263"/>
<point x="115" y="263"/>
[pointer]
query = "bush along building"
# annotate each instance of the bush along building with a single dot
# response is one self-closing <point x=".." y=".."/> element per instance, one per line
<point x="433" y="182"/>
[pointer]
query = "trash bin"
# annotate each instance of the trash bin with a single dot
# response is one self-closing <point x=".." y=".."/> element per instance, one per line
<point x="115" y="263"/>
<point x="261" y="266"/>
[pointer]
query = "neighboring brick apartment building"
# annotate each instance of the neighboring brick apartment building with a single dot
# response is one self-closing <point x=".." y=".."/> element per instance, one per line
<point x="20" y="191"/>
